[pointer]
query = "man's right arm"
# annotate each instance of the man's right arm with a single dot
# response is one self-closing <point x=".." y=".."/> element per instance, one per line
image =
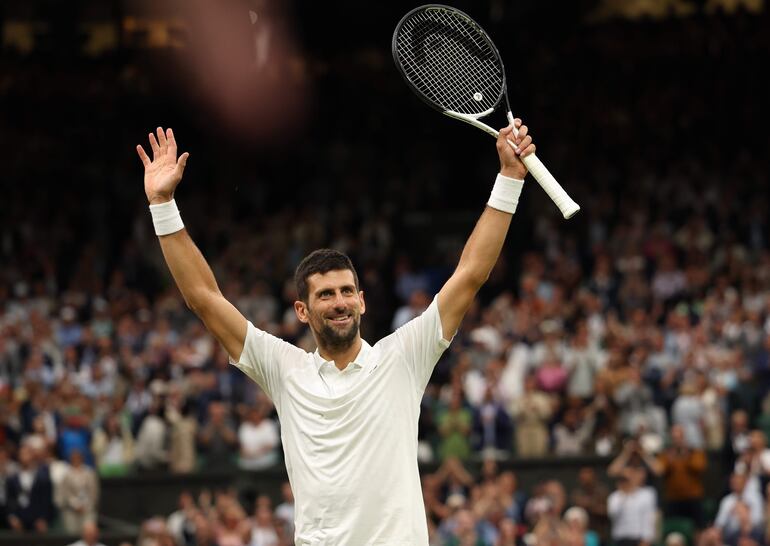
<point x="191" y="273"/>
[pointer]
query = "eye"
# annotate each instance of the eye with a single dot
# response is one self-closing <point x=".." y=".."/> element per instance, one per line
<point x="347" y="291"/>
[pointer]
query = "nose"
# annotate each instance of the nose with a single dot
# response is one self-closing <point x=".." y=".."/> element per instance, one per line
<point x="339" y="301"/>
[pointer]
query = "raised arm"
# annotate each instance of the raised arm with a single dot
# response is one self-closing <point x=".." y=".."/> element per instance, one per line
<point x="485" y="243"/>
<point x="192" y="274"/>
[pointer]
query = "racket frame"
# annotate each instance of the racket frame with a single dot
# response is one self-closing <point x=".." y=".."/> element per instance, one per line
<point x="539" y="172"/>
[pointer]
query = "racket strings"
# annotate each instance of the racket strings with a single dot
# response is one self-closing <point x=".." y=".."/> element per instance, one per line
<point x="448" y="77"/>
<point x="450" y="62"/>
<point x="434" y="68"/>
<point x="425" y="29"/>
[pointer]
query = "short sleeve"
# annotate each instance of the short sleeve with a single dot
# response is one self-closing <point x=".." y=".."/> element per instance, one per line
<point x="264" y="358"/>
<point x="422" y="343"/>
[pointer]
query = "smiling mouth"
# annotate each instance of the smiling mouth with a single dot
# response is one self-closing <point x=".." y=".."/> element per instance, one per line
<point x="340" y="320"/>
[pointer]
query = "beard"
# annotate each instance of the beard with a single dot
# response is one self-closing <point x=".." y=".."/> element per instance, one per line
<point x="335" y="339"/>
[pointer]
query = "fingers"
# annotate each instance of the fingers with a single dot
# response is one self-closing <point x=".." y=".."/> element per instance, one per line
<point x="182" y="161"/>
<point x="171" y="142"/>
<point x="155" y="147"/>
<point x="522" y="142"/>
<point x="527" y="150"/>
<point x="143" y="156"/>
<point x="524" y="146"/>
<point x="162" y="140"/>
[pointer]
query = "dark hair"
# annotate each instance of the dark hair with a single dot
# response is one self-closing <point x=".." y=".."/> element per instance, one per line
<point x="321" y="261"/>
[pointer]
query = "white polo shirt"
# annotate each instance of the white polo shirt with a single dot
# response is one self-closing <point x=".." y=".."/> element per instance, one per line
<point x="350" y="437"/>
<point x="633" y="514"/>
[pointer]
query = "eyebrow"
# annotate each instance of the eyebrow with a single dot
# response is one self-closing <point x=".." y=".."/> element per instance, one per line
<point x="350" y="287"/>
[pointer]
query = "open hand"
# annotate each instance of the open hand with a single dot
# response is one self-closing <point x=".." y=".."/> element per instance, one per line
<point x="164" y="172"/>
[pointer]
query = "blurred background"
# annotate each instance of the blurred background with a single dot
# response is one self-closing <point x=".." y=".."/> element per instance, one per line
<point x="609" y="385"/>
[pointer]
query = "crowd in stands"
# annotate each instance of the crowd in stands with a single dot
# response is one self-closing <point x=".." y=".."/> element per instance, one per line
<point x="639" y="333"/>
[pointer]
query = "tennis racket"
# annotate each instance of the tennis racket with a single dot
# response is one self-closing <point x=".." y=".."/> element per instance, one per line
<point x="452" y="64"/>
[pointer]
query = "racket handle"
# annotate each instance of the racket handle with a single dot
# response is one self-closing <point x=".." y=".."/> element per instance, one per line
<point x="566" y="205"/>
<point x="546" y="180"/>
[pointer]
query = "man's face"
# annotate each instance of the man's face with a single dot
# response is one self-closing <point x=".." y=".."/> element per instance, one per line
<point x="677" y="436"/>
<point x="334" y="308"/>
<point x="586" y="477"/>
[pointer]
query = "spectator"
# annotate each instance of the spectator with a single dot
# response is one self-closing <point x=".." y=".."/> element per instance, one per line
<point x="576" y="531"/>
<point x="544" y="511"/>
<point x="39" y="439"/>
<point x="491" y="427"/>
<point x="755" y="461"/>
<point x="417" y="303"/>
<point x="739" y="441"/>
<point x="635" y="401"/>
<point x="75" y="434"/>
<point x="113" y="447"/>
<point x="513" y="498"/>
<point x="572" y="434"/>
<point x="231" y="527"/>
<point x="150" y="450"/>
<point x="713" y="412"/>
<point x="464" y="532"/>
<point x="531" y="413"/>
<point x="583" y="361"/>
<point x="631" y="509"/>
<point x="668" y="281"/>
<point x="218" y="438"/>
<point x="551" y="374"/>
<point x="682" y="468"/>
<point x="183" y="432"/>
<point x="688" y="411"/>
<point x="89" y="536"/>
<point x="727" y="520"/>
<point x="181" y="524"/>
<point x="743" y="530"/>
<point x="454" y="426"/>
<point x="263" y="531"/>
<point x="258" y="438"/>
<point x="632" y="454"/>
<point x="508" y="533"/>
<point x="285" y="511"/>
<point x="591" y="495"/>
<point x="154" y="533"/>
<point x="30" y="495"/>
<point x="8" y="468"/>
<point x="80" y="494"/>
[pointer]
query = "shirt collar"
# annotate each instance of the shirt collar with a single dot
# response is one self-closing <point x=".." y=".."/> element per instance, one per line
<point x="358" y="362"/>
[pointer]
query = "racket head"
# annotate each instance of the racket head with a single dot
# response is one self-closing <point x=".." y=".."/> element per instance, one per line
<point x="449" y="61"/>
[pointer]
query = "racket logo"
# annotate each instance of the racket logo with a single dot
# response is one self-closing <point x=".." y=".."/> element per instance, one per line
<point x="478" y="97"/>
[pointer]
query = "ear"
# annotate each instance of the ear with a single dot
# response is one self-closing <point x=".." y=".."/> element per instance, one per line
<point x="301" y="309"/>
<point x="363" y="303"/>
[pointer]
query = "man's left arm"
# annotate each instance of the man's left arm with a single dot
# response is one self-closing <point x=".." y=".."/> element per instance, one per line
<point x="485" y="243"/>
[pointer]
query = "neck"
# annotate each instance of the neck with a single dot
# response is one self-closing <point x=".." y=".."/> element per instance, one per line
<point x="342" y="356"/>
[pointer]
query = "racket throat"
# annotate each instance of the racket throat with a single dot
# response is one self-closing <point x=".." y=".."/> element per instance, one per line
<point x="474" y="120"/>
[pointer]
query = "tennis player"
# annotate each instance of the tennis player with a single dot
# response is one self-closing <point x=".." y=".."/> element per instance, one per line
<point x="349" y="410"/>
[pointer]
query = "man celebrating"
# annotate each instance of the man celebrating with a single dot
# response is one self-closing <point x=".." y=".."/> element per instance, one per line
<point x="349" y="410"/>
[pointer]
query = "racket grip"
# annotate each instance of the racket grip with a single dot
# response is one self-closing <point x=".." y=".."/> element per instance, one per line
<point x="566" y="205"/>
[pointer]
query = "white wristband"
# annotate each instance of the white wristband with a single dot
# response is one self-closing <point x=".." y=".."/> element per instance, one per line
<point x="505" y="194"/>
<point x="166" y="218"/>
